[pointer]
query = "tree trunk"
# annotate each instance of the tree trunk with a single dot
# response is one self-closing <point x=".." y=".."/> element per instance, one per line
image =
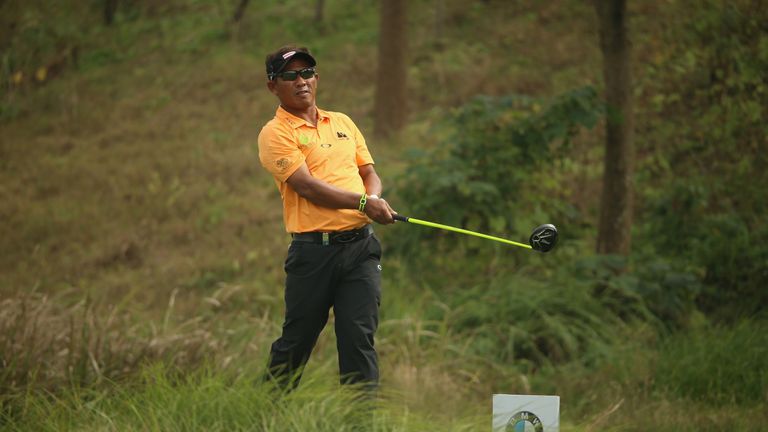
<point x="390" y="108"/>
<point x="239" y="11"/>
<point x="319" y="9"/>
<point x="439" y="22"/>
<point x="617" y="198"/>
<point x="110" y="8"/>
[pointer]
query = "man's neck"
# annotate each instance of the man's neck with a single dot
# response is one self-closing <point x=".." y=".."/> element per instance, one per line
<point x="310" y="114"/>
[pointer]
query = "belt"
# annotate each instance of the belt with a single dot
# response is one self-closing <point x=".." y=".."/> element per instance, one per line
<point x="335" y="237"/>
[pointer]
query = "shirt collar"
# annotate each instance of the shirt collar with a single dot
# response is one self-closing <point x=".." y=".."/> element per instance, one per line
<point x="296" y="122"/>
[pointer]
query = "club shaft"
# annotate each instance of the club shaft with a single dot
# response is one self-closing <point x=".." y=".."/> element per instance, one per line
<point x="462" y="231"/>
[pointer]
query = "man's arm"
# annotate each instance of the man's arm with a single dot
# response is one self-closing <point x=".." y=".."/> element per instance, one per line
<point x="328" y="195"/>
<point x="372" y="184"/>
<point x="371" y="180"/>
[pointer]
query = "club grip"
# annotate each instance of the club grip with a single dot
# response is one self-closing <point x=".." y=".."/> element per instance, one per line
<point x="400" y="218"/>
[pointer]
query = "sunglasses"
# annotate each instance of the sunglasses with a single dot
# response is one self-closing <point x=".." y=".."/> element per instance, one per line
<point x="292" y="75"/>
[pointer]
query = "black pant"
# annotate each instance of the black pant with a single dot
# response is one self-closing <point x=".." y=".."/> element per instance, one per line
<point x="347" y="277"/>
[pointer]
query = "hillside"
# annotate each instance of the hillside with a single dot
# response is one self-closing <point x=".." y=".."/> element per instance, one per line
<point x="141" y="261"/>
<point x="142" y="152"/>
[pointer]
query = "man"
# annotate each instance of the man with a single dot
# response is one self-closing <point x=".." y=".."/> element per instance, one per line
<point x="330" y="194"/>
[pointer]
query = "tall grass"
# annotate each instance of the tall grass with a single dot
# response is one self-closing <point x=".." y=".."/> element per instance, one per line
<point x="720" y="366"/>
<point x="163" y="400"/>
<point x="47" y="342"/>
<point x="706" y="379"/>
<point x="434" y="376"/>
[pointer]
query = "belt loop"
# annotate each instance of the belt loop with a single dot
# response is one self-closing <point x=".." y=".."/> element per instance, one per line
<point x="326" y="239"/>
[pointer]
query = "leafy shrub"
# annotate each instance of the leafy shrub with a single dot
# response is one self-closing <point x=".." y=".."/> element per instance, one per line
<point x="519" y="319"/>
<point x="666" y="289"/>
<point x="476" y="178"/>
<point x="704" y="195"/>
<point x="729" y="251"/>
<point x="735" y="261"/>
<point x="578" y="313"/>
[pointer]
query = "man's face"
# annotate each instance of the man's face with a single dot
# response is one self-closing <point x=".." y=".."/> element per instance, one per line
<point x="297" y="95"/>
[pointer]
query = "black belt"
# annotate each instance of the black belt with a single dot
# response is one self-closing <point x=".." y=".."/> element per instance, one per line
<point x="336" y="237"/>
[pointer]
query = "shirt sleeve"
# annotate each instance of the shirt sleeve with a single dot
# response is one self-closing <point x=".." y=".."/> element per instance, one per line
<point x="278" y="152"/>
<point x="362" y="155"/>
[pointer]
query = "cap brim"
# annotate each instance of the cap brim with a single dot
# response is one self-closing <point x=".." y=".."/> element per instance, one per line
<point x="296" y="55"/>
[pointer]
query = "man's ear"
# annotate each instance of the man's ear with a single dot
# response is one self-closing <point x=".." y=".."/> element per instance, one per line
<point x="271" y="86"/>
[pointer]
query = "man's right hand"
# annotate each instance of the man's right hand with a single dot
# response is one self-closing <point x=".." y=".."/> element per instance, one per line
<point x="379" y="210"/>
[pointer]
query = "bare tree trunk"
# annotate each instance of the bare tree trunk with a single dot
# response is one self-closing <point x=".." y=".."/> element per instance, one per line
<point x="439" y="22"/>
<point x="390" y="108"/>
<point x="319" y="9"/>
<point x="110" y="8"/>
<point x="239" y="11"/>
<point x="616" y="205"/>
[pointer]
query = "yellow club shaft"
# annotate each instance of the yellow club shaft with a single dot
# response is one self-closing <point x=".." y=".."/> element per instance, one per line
<point x="463" y="231"/>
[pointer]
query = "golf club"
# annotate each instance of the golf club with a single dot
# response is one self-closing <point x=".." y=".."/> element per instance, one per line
<point x="542" y="239"/>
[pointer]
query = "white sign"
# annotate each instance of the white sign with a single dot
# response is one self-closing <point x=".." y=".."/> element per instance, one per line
<point x="525" y="413"/>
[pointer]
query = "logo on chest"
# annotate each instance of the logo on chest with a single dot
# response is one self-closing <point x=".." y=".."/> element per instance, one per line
<point x="341" y="135"/>
<point x="304" y="140"/>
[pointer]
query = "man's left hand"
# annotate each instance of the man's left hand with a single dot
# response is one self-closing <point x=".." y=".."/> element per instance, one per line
<point x="379" y="210"/>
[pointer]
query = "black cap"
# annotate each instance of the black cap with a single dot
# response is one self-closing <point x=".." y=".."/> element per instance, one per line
<point x="276" y="61"/>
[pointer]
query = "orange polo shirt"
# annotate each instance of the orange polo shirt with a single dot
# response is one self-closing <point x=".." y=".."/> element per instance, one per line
<point x="333" y="151"/>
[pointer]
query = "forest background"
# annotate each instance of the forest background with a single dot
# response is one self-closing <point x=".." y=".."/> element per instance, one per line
<point x="142" y="244"/>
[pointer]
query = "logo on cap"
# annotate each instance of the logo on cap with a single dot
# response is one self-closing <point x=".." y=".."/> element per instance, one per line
<point x="288" y="54"/>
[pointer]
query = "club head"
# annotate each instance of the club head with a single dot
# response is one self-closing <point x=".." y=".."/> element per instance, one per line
<point x="544" y="238"/>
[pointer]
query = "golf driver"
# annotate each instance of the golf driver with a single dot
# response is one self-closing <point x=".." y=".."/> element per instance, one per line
<point x="543" y="238"/>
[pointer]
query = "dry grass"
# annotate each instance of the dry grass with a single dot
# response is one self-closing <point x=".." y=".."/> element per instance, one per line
<point x="134" y="193"/>
<point x="53" y="342"/>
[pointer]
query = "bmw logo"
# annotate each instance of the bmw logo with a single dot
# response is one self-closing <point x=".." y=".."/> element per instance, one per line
<point x="524" y="421"/>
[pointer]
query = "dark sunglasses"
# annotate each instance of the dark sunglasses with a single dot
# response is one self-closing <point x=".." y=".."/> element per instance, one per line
<point x="291" y="75"/>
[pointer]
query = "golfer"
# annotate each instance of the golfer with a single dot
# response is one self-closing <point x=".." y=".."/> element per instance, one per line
<point x="330" y="194"/>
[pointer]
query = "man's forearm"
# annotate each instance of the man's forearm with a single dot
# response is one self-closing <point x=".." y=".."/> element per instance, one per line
<point x="373" y="185"/>
<point x="371" y="180"/>
<point x="327" y="195"/>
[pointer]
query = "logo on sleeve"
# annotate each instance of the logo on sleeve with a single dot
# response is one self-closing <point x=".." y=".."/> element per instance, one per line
<point x="282" y="164"/>
<point x="341" y="135"/>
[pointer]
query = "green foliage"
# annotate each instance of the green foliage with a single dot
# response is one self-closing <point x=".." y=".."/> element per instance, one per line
<point x="8" y="110"/>
<point x="705" y="379"/>
<point x="719" y="366"/>
<point x="728" y="252"/>
<point x="704" y="196"/>
<point x="37" y="32"/>
<point x="735" y="259"/>
<point x="666" y="289"/>
<point x="575" y="314"/>
<point x="478" y="176"/>
<point x="530" y="322"/>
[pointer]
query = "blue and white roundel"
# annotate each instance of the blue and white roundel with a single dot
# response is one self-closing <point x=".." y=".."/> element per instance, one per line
<point x="524" y="421"/>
